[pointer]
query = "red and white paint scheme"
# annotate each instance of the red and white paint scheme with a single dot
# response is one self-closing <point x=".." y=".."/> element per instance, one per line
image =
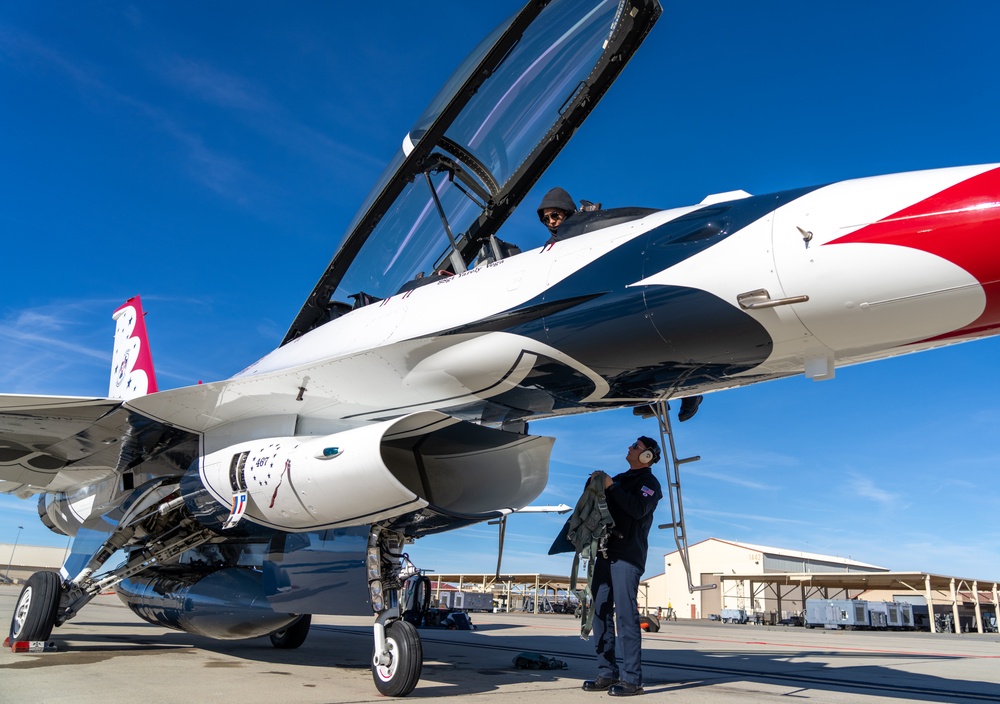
<point x="131" y="362"/>
<point x="397" y="405"/>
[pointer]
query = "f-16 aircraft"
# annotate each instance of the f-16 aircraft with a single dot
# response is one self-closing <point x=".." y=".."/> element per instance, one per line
<point x="397" y="405"/>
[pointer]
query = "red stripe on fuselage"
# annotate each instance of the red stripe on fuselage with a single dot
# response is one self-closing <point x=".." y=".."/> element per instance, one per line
<point x="960" y="224"/>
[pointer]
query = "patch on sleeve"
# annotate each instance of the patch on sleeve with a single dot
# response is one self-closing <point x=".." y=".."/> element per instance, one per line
<point x="647" y="492"/>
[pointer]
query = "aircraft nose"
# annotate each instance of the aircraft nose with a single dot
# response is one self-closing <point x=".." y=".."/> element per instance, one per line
<point x="960" y="224"/>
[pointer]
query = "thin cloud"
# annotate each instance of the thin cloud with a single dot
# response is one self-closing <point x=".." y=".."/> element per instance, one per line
<point x="236" y="94"/>
<point x="754" y="459"/>
<point x="222" y="175"/>
<point x="19" y="335"/>
<point x="214" y="86"/>
<point x="46" y="346"/>
<point x="727" y="478"/>
<point x="742" y="516"/>
<point x="43" y="344"/>
<point x="865" y="488"/>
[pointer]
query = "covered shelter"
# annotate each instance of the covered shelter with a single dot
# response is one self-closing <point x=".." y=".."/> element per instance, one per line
<point x="508" y="587"/>
<point x="946" y="591"/>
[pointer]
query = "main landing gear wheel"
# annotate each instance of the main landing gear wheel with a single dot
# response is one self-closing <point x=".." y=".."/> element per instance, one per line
<point x="37" y="607"/>
<point x="292" y="636"/>
<point x="400" y="676"/>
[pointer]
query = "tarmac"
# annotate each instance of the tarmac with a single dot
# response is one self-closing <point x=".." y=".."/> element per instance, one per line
<point x="108" y="655"/>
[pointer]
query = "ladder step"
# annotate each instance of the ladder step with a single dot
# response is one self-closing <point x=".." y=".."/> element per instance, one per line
<point x="695" y="458"/>
<point x="668" y="525"/>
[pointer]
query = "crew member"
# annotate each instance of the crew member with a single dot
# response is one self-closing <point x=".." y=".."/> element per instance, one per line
<point x="557" y="205"/>
<point x="632" y="497"/>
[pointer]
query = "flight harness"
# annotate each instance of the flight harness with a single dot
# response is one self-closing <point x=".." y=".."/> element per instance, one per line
<point x="590" y="526"/>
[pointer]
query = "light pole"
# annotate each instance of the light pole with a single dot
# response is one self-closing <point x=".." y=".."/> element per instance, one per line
<point x="19" y="529"/>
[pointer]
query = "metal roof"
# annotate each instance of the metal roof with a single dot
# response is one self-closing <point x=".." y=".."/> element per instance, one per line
<point x="785" y="552"/>
<point x="915" y="581"/>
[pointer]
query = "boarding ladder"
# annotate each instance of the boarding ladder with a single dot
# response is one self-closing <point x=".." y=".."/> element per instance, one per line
<point x="673" y="467"/>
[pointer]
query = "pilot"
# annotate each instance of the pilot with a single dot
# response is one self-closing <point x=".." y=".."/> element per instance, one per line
<point x="557" y="205"/>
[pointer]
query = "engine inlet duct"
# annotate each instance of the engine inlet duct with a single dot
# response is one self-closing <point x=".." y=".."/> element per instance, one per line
<point x="377" y="472"/>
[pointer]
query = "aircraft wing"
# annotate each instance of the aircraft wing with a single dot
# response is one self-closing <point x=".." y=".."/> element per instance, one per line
<point x="58" y="444"/>
<point x="479" y="147"/>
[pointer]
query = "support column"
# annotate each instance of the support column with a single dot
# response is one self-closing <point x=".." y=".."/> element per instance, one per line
<point x="930" y="602"/>
<point x="996" y="607"/>
<point x="979" y="612"/>
<point x="954" y="608"/>
<point x="536" y="594"/>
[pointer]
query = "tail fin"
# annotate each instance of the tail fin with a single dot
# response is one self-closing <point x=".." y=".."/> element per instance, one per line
<point x="131" y="363"/>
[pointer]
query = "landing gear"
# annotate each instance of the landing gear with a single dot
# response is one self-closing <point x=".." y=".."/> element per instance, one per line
<point x="405" y="656"/>
<point x="292" y="636"/>
<point x="37" y="607"/>
<point x="398" y="656"/>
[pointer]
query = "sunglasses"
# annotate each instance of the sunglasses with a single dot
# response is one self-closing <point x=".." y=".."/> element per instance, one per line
<point x="553" y="217"/>
<point x="636" y="446"/>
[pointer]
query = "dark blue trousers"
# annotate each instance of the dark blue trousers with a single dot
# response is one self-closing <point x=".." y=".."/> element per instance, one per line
<point x="616" y="589"/>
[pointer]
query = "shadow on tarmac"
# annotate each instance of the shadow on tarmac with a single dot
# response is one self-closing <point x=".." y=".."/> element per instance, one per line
<point x="464" y="662"/>
<point x="469" y="662"/>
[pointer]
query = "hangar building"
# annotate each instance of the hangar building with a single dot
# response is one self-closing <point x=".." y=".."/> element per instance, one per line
<point x="712" y="559"/>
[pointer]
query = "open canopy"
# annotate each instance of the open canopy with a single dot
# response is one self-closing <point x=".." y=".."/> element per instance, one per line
<point x="479" y="147"/>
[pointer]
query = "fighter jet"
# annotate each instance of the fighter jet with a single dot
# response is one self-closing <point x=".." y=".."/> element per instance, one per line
<point x="397" y="405"/>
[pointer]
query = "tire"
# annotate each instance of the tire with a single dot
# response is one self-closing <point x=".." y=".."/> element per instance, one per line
<point x="37" y="607"/>
<point x="400" y="676"/>
<point x="294" y="635"/>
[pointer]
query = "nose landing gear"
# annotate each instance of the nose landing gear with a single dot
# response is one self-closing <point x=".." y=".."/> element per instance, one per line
<point x="398" y="656"/>
<point x="396" y="669"/>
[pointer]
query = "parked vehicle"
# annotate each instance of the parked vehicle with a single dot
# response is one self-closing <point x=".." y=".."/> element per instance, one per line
<point x="792" y="621"/>
<point x="733" y="615"/>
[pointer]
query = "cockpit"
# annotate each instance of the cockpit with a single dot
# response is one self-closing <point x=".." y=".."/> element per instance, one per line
<point x="477" y="150"/>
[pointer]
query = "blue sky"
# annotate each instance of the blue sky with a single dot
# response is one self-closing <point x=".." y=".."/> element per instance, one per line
<point x="209" y="157"/>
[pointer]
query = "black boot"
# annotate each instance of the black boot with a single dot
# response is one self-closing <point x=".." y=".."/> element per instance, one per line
<point x="601" y="684"/>
<point x="689" y="406"/>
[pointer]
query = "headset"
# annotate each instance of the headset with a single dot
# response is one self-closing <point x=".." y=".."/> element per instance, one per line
<point x="651" y="455"/>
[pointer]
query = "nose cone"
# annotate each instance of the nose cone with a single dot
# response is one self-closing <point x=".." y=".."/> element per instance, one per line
<point x="960" y="224"/>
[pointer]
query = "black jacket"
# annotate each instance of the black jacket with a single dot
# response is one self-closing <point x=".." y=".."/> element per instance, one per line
<point x="632" y="498"/>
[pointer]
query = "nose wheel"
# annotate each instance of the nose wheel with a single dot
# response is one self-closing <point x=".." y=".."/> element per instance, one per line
<point x="398" y="656"/>
<point x="396" y="670"/>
